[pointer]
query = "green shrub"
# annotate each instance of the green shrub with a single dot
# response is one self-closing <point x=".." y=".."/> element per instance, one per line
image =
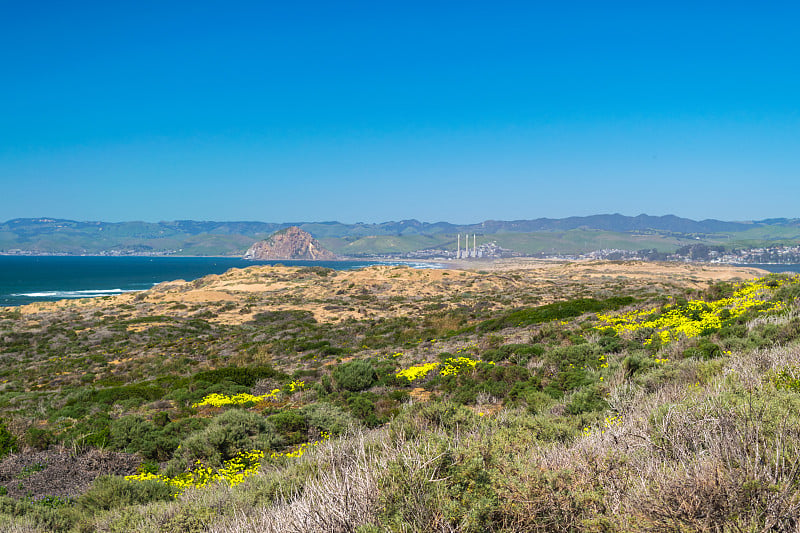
<point x="578" y="355"/>
<point x="789" y="292"/>
<point x="161" y="419"/>
<point x="291" y="424"/>
<point x="109" y="492"/>
<point x="318" y="270"/>
<point x="135" y="434"/>
<point x="228" y="434"/>
<point x="465" y="396"/>
<point x="246" y="377"/>
<point x="566" y="380"/>
<point x="399" y="396"/>
<point x="51" y="519"/>
<point x="327" y="417"/>
<point x="284" y="318"/>
<point x="586" y="400"/>
<point x="788" y="332"/>
<point x="363" y="408"/>
<point x="472" y="499"/>
<point x="494" y="354"/>
<point x="553" y="311"/>
<point x="355" y="376"/>
<point x="731" y="329"/>
<point x="190" y="518"/>
<point x="705" y="349"/>
<point x="109" y="396"/>
<point x="634" y="364"/>
<point x="610" y="342"/>
<point x="719" y="291"/>
<point x="130" y="430"/>
<point x="538" y="402"/>
<point x="446" y="415"/>
<point x="148" y="467"/>
<point x="91" y="431"/>
<point x="785" y="379"/>
<point x="517" y="353"/>
<point x="39" y="439"/>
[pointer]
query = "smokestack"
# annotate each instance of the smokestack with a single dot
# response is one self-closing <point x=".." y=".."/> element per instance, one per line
<point x="458" y="250"/>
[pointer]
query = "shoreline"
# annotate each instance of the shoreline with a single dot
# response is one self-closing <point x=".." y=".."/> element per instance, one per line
<point x="439" y="261"/>
<point x="43" y="291"/>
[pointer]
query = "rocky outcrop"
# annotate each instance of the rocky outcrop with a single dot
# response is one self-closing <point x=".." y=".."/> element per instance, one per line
<point x="290" y="243"/>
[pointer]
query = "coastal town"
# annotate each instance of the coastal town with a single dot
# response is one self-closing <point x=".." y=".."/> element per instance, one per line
<point x="691" y="253"/>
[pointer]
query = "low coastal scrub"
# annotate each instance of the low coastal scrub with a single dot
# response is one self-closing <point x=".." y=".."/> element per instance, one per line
<point x="641" y="412"/>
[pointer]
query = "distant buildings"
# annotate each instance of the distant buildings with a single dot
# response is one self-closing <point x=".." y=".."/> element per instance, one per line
<point x="700" y="252"/>
<point x="467" y="247"/>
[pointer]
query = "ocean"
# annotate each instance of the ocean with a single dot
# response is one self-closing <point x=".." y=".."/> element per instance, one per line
<point x="26" y="279"/>
<point x="773" y="267"/>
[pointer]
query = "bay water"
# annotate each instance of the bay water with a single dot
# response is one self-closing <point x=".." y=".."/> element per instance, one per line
<point x="775" y="268"/>
<point x="26" y="279"/>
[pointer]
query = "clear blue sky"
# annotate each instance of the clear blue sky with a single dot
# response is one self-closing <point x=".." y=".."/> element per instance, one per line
<point x="372" y="111"/>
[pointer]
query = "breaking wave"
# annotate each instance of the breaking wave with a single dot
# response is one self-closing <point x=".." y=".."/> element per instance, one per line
<point x="90" y="293"/>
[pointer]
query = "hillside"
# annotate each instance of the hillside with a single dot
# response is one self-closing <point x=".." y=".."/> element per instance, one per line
<point x="568" y="235"/>
<point x="291" y="243"/>
<point x="541" y="396"/>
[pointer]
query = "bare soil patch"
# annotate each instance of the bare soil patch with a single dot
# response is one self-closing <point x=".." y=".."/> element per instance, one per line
<point x="60" y="472"/>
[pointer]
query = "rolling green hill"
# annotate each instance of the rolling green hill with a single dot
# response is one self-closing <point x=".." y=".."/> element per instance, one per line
<point x="568" y="235"/>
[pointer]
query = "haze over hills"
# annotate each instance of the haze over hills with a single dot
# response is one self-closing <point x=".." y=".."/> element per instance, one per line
<point x="571" y="234"/>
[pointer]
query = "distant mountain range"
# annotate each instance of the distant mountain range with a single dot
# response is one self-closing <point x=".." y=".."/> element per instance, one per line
<point x="189" y="237"/>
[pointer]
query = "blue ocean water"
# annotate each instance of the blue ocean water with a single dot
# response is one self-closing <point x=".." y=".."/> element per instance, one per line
<point x="773" y="267"/>
<point x="26" y="279"/>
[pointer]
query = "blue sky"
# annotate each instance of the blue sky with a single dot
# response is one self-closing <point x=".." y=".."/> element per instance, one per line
<point x="374" y="111"/>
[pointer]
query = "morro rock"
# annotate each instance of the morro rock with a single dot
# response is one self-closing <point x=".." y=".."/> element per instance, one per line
<point x="289" y="243"/>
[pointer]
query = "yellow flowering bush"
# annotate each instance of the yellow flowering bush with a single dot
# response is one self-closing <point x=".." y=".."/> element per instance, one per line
<point x="696" y="316"/>
<point x="449" y="367"/>
<point x="453" y="365"/>
<point x="302" y="448"/>
<point x="221" y="400"/>
<point x="296" y="385"/>
<point x="232" y="472"/>
<point x="414" y="373"/>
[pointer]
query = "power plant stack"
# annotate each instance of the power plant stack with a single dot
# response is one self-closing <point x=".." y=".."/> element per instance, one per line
<point x="467" y="253"/>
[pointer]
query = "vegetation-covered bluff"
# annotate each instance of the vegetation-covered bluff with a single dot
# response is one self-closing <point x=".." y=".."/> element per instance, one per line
<point x="289" y="243"/>
<point x="564" y="397"/>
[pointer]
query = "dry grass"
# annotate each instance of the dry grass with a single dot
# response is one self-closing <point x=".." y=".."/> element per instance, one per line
<point x="342" y="496"/>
